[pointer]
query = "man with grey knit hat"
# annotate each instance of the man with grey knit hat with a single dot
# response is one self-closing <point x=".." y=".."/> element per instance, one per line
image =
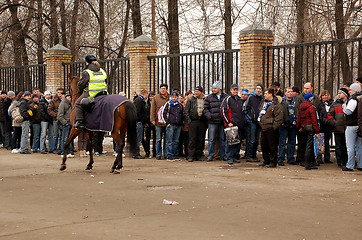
<point x="353" y="141"/>
<point x="215" y="121"/>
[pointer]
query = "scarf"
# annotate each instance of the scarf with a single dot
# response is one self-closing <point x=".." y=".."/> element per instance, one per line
<point x="174" y="103"/>
<point x="263" y="109"/>
<point x="291" y="110"/>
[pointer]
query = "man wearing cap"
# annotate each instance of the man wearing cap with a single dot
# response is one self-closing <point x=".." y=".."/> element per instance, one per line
<point x="231" y="109"/>
<point x="252" y="127"/>
<point x="194" y="115"/>
<point x="46" y="122"/>
<point x="215" y="122"/>
<point x="158" y="101"/>
<point x="308" y="88"/>
<point x="337" y="120"/>
<point x="92" y="83"/>
<point x="26" y="113"/>
<point x="307" y="124"/>
<point x="53" y="111"/>
<point x="63" y="118"/>
<point x="353" y="141"/>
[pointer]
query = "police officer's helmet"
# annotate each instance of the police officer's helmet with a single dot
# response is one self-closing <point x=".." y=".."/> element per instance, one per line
<point x="90" y="58"/>
<point x="87" y="104"/>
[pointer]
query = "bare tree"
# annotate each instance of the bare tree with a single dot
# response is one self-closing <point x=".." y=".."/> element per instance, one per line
<point x="54" y="34"/>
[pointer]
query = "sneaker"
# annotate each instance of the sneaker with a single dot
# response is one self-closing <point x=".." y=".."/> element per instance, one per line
<point x="171" y="158"/>
<point x="115" y="154"/>
<point x="43" y="152"/>
<point x="123" y="155"/>
<point x="87" y="152"/>
<point x="281" y="163"/>
<point x="61" y="156"/>
<point x="159" y="158"/>
<point x="138" y="157"/>
<point x="209" y="159"/>
<point x="176" y="158"/>
<point x="70" y="155"/>
<point x="15" y="150"/>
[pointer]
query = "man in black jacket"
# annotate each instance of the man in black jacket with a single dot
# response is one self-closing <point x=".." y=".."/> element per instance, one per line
<point x="3" y="114"/>
<point x="140" y="104"/>
<point x="215" y="122"/>
<point x="231" y="109"/>
<point x="149" y="128"/>
<point x="197" y="124"/>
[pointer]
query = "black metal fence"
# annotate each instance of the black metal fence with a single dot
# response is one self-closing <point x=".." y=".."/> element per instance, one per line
<point x="186" y="71"/>
<point x="326" y="64"/>
<point x="118" y="71"/>
<point x="23" y="78"/>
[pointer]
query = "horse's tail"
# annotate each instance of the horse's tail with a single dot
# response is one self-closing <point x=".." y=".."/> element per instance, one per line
<point x="131" y="127"/>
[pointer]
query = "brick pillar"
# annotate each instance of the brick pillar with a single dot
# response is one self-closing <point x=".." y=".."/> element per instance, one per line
<point x="252" y="40"/>
<point x="54" y="58"/>
<point x="138" y="49"/>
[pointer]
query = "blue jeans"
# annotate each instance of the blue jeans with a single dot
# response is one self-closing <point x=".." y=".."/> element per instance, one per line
<point x="25" y="126"/>
<point x="36" y="136"/>
<point x="56" y="134"/>
<point x="285" y="133"/>
<point x="65" y="135"/>
<point x="172" y="138"/>
<point x="213" y="129"/>
<point x="44" y="127"/>
<point x="354" y="147"/>
<point x="160" y="133"/>
<point x="139" y="130"/>
<point x="253" y="133"/>
<point x="231" y="151"/>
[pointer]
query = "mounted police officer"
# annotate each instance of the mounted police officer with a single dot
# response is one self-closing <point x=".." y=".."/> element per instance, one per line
<point x="92" y="84"/>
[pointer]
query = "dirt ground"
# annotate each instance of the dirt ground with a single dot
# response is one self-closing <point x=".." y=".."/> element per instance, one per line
<point x="215" y="201"/>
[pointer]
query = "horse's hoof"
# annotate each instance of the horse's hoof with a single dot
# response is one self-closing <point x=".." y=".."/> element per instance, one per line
<point x="88" y="168"/>
<point x="62" y="167"/>
<point x="112" y="171"/>
<point x="117" y="171"/>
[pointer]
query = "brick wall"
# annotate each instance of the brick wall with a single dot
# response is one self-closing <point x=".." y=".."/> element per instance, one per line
<point x="139" y="49"/>
<point x="251" y="56"/>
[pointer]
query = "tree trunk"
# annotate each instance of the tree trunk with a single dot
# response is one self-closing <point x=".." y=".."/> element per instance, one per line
<point x="54" y="37"/>
<point x="73" y="30"/>
<point x="40" y="42"/>
<point x="228" y="44"/>
<point x="63" y="23"/>
<point x="136" y="18"/>
<point x="153" y="15"/>
<point x="300" y="8"/>
<point x="339" y="18"/>
<point x="174" y="43"/>
<point x="101" y="29"/>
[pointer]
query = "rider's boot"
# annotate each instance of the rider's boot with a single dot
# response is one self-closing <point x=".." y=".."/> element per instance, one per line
<point x="80" y="124"/>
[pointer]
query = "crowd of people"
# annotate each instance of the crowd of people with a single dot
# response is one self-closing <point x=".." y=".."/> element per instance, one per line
<point x="178" y="124"/>
<point x="280" y="119"/>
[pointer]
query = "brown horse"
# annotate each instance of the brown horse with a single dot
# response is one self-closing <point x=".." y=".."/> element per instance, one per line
<point x="125" y="118"/>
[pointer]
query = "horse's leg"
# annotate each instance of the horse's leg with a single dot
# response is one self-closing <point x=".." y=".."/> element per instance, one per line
<point x="72" y="135"/>
<point x="90" y="144"/>
<point x="119" y="139"/>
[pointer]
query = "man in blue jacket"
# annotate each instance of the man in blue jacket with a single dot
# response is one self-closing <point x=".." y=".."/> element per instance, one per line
<point x="215" y="122"/>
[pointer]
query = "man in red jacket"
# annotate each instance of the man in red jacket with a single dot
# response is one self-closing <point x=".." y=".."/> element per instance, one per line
<point x="307" y="123"/>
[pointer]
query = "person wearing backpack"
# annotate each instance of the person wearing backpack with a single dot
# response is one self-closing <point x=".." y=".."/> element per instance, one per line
<point x="159" y="101"/>
<point x="173" y="115"/>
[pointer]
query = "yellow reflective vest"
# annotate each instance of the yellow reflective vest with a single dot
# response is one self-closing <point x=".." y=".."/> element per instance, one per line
<point x="97" y="82"/>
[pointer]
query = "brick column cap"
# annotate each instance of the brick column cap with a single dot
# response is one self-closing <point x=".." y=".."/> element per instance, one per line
<point x="255" y="28"/>
<point x="142" y="40"/>
<point x="59" y="49"/>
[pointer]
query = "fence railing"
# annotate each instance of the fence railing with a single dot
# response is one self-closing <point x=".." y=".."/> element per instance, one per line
<point x="23" y="78"/>
<point x="326" y="64"/>
<point x="118" y="71"/>
<point x="186" y="71"/>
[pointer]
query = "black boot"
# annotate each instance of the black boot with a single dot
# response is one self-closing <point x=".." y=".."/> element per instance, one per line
<point x="79" y="125"/>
